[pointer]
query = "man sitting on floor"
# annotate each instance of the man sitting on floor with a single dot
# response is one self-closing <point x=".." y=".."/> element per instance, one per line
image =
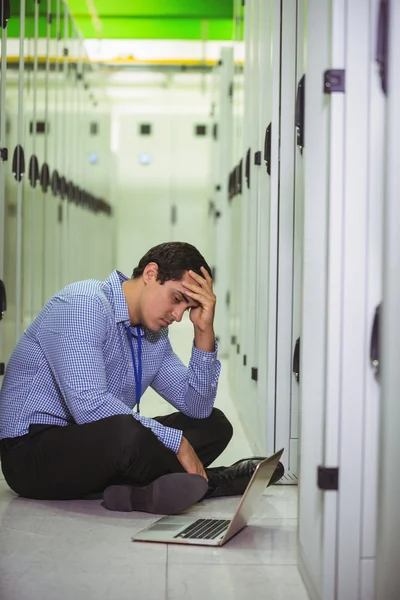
<point x="67" y="428"/>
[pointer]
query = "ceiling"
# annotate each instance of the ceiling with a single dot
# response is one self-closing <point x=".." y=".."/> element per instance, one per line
<point x="205" y="20"/>
<point x="154" y="19"/>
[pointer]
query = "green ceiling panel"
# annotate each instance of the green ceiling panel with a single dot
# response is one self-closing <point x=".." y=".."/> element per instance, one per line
<point x="156" y="19"/>
<point x="166" y="29"/>
<point x="135" y="19"/>
<point x="208" y="9"/>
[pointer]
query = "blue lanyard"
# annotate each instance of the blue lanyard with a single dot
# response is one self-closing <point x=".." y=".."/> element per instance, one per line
<point x="136" y="369"/>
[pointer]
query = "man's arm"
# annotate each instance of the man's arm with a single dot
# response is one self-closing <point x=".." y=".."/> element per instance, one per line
<point x="192" y="390"/>
<point x="72" y="337"/>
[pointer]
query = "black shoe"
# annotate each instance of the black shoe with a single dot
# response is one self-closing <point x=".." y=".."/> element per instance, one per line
<point x="168" y="495"/>
<point x="278" y="473"/>
<point x="233" y="480"/>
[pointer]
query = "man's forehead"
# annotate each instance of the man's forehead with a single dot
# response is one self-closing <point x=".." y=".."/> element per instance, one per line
<point x="178" y="287"/>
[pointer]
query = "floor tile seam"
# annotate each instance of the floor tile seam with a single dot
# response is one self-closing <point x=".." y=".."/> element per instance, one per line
<point x="166" y="572"/>
<point x="253" y="519"/>
<point x="230" y="564"/>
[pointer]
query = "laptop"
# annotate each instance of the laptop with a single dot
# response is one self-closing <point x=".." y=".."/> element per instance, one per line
<point x="184" y="529"/>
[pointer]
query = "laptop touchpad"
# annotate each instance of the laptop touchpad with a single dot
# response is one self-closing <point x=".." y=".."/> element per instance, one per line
<point x="165" y="527"/>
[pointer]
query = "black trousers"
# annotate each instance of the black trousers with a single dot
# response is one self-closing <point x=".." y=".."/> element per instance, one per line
<point x="64" y="463"/>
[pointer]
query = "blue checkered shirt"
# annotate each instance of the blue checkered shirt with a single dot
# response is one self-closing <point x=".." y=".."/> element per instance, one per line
<point x="73" y="364"/>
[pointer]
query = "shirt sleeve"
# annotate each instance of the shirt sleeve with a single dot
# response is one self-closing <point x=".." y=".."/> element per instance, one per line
<point x="72" y="336"/>
<point x="192" y="389"/>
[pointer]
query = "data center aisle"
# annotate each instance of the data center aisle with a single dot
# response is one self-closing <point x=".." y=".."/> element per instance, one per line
<point x="60" y="550"/>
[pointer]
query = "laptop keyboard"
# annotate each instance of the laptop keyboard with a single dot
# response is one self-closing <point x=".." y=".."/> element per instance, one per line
<point x="205" y="529"/>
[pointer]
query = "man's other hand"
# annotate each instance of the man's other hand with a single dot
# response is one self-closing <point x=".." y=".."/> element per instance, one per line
<point x="189" y="459"/>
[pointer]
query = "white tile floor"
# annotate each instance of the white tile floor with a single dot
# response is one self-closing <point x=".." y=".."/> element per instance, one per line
<point x="65" y="550"/>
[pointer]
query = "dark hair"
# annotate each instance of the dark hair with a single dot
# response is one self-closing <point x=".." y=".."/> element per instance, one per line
<point x="173" y="259"/>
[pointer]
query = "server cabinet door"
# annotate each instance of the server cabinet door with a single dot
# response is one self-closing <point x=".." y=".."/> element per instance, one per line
<point x="316" y="548"/>
<point x="266" y="299"/>
<point x="286" y="214"/>
<point x="4" y="151"/>
<point x="388" y="547"/>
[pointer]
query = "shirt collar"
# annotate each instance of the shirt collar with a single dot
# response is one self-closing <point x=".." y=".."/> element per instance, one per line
<point x="121" y="313"/>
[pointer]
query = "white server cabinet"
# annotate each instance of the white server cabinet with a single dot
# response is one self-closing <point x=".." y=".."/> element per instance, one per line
<point x="64" y="145"/>
<point x="287" y="262"/>
<point x="15" y="185"/>
<point x="221" y="214"/>
<point x="245" y="407"/>
<point x="388" y="535"/>
<point x="270" y="300"/>
<point x="316" y="546"/>
<point x="270" y="24"/>
<point x="213" y="162"/>
<point x="262" y="365"/>
<point x="9" y="240"/>
<point x="252" y="176"/>
<point x="236" y="181"/>
<point x="253" y="388"/>
<point x="248" y="409"/>
<point x="297" y="237"/>
<point x="374" y="277"/>
<point x="342" y="283"/>
<point x="32" y="212"/>
<point x="266" y="275"/>
<point x="3" y="163"/>
<point x="53" y="210"/>
<point x="41" y="116"/>
<point x="272" y="156"/>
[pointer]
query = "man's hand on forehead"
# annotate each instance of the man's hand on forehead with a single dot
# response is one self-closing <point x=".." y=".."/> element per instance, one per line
<point x="194" y="304"/>
<point x="201" y="292"/>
